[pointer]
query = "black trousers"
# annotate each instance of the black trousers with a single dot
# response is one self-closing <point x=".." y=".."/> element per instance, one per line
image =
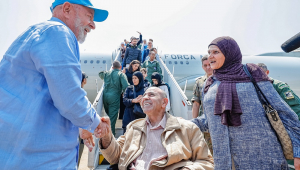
<point x="122" y="107"/>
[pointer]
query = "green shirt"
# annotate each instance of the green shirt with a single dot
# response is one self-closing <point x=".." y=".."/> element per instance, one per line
<point x="197" y="91"/>
<point x="114" y="81"/>
<point x="151" y="66"/>
<point x="287" y="95"/>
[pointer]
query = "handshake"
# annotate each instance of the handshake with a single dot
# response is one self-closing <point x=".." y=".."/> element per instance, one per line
<point x="102" y="130"/>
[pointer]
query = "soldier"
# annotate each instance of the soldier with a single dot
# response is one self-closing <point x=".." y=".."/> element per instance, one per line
<point x="284" y="91"/>
<point x="115" y="82"/>
<point x="197" y="91"/>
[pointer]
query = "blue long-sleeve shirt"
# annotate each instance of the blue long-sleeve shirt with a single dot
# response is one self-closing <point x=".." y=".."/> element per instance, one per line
<point x="42" y="103"/>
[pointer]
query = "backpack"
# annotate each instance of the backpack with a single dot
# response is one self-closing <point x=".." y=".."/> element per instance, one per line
<point x="168" y="89"/>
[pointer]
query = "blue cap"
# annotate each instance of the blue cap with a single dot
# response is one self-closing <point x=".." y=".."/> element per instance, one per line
<point x="99" y="15"/>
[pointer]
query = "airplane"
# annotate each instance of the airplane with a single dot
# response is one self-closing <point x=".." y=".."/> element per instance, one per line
<point x="186" y="68"/>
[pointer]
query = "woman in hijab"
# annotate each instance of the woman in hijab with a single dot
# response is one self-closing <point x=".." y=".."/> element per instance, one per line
<point x="130" y="99"/>
<point x="134" y="66"/>
<point x="242" y="136"/>
<point x="157" y="82"/>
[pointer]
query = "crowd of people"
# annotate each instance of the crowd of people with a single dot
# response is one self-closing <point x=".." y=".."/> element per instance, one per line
<point x="226" y="108"/>
<point x="43" y="110"/>
<point x="140" y="65"/>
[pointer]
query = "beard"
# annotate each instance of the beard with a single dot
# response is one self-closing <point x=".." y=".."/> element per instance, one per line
<point x="81" y="30"/>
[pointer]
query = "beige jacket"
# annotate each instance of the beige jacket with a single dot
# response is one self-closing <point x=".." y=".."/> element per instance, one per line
<point x="182" y="139"/>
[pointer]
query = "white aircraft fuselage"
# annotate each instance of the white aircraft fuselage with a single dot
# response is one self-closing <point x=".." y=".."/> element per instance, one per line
<point x="186" y="68"/>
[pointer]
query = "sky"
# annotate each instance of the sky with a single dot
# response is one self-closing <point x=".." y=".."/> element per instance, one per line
<point x="176" y="26"/>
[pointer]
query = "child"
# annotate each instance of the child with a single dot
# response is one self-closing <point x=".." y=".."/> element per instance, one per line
<point x="146" y="82"/>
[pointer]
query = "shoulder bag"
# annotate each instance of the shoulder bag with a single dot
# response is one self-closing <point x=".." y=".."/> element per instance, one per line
<point x="274" y="120"/>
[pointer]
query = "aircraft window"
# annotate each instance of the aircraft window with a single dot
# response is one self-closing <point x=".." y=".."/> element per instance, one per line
<point x="170" y="62"/>
<point x="98" y="61"/>
<point x="175" y="62"/>
<point x="187" y="62"/>
<point x="92" y="61"/>
<point x="85" y="61"/>
<point x="80" y="61"/>
<point x="181" y="62"/>
<point x="104" y="61"/>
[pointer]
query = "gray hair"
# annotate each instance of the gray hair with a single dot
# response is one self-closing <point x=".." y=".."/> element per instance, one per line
<point x="151" y="52"/>
<point x="205" y="57"/>
<point x="116" y="64"/>
<point x="163" y="94"/>
<point x="263" y="66"/>
<point x="160" y="91"/>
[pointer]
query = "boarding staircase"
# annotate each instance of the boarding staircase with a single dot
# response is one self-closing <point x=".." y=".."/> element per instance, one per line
<point x="180" y="107"/>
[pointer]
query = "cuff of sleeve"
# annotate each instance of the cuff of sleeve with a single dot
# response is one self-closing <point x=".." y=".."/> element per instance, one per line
<point x="95" y="123"/>
<point x="195" y="99"/>
<point x="296" y="152"/>
<point x="109" y="150"/>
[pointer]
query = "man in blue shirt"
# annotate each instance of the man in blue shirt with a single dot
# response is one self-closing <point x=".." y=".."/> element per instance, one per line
<point x="42" y="104"/>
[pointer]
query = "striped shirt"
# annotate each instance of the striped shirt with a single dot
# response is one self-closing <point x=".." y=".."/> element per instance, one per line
<point x="154" y="149"/>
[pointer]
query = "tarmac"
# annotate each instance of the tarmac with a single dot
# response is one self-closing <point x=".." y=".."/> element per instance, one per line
<point x="84" y="158"/>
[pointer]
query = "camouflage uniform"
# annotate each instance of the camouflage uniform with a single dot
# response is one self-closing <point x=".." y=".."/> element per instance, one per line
<point x="289" y="97"/>
<point x="197" y="91"/>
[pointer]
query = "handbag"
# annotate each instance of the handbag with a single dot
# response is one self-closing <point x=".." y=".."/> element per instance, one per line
<point x="274" y="120"/>
<point x="137" y="109"/>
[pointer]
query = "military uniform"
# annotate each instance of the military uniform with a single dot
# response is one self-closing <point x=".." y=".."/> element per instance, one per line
<point x="287" y="95"/>
<point x="197" y="91"/>
<point x="114" y="83"/>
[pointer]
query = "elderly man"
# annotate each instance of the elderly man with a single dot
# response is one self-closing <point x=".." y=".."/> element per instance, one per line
<point x="159" y="141"/>
<point x="42" y="104"/>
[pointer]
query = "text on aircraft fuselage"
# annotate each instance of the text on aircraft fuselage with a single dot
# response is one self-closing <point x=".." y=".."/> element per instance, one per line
<point x="179" y="56"/>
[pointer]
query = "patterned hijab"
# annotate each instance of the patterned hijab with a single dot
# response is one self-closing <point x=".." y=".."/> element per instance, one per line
<point x="227" y="103"/>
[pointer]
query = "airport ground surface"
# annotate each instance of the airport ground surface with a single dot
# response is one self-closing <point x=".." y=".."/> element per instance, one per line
<point x="84" y="158"/>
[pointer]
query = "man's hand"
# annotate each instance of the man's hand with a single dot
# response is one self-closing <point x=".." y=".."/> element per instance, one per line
<point x="88" y="144"/>
<point x="87" y="138"/>
<point x="138" y="99"/>
<point x="103" y="128"/>
<point x="297" y="163"/>
<point x="124" y="70"/>
<point x="106" y="139"/>
<point x="139" y="32"/>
